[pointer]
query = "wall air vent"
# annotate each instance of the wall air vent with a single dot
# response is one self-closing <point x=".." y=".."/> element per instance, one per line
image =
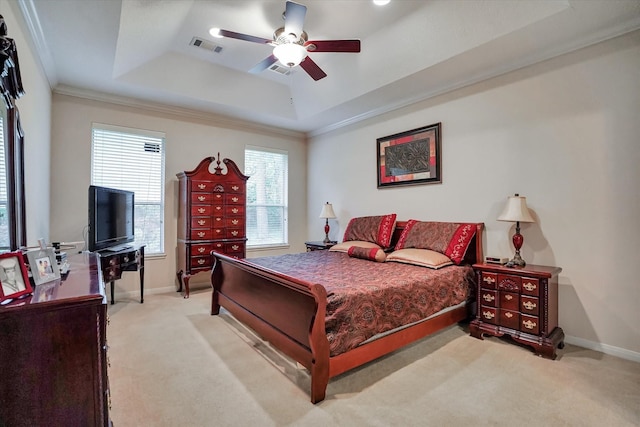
<point x="205" y="44"/>
<point x="276" y="68"/>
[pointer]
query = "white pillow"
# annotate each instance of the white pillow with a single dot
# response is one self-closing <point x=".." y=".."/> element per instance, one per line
<point x="421" y="257"/>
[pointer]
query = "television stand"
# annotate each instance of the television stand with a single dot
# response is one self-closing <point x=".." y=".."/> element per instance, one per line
<point x="113" y="262"/>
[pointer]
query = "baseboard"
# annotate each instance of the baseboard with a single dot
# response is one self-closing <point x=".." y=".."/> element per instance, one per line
<point x="604" y="348"/>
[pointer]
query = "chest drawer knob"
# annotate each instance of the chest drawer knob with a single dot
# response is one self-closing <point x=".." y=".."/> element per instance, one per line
<point x="488" y="279"/>
<point x="201" y="234"/>
<point x="201" y="261"/>
<point x="235" y="188"/>
<point x="529" y="286"/>
<point x="202" y="222"/>
<point x="201" y="210"/>
<point x="201" y="198"/>
<point x="202" y="186"/>
<point x="508" y="315"/>
<point x="201" y="249"/>
<point x="235" y="199"/>
<point x="235" y="210"/>
<point x="488" y="314"/>
<point x="235" y="247"/>
<point x="529" y="305"/>
<point x="488" y="297"/>
<point x="508" y="297"/>
<point x="529" y="324"/>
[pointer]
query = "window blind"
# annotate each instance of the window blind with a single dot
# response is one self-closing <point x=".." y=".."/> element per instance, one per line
<point x="133" y="160"/>
<point x="267" y="198"/>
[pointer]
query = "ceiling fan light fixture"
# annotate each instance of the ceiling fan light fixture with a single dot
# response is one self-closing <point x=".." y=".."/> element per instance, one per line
<point x="290" y="54"/>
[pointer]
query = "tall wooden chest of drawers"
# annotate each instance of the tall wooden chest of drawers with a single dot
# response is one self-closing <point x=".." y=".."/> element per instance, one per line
<point x="211" y="217"/>
<point x="521" y="303"/>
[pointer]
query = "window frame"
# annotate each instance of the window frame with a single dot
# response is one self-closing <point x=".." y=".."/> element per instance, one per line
<point x="285" y="199"/>
<point x="143" y="133"/>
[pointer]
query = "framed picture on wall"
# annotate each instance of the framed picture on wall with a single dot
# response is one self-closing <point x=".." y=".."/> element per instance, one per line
<point x="43" y="265"/>
<point x="14" y="278"/>
<point x="409" y="158"/>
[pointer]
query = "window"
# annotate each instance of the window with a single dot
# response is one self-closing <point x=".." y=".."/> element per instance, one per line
<point x="267" y="199"/>
<point x="133" y="159"/>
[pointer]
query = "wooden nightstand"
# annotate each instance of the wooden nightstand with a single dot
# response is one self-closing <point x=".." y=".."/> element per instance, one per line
<point x="318" y="245"/>
<point x="521" y="303"/>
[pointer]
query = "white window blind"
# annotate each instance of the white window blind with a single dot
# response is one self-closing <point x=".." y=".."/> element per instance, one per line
<point x="4" y="220"/>
<point x="267" y="198"/>
<point x="133" y="160"/>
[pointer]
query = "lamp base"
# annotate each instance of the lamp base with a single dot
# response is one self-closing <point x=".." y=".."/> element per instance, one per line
<point x="517" y="261"/>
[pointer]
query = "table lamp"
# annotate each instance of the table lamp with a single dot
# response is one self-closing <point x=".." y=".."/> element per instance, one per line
<point x="516" y="211"/>
<point x="327" y="213"/>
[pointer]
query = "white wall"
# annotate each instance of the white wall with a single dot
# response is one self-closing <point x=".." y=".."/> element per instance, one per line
<point x="563" y="133"/>
<point x="35" y="117"/>
<point x="188" y="141"/>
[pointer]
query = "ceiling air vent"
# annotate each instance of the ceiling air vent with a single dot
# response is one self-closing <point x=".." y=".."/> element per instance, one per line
<point x="206" y="44"/>
<point x="285" y="71"/>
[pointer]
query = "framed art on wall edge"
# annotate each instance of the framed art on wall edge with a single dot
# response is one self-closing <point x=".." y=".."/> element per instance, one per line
<point x="14" y="279"/>
<point x="409" y="158"/>
<point x="43" y="265"/>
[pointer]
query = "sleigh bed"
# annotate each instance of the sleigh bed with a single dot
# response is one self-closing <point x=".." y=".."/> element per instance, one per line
<point x="332" y="311"/>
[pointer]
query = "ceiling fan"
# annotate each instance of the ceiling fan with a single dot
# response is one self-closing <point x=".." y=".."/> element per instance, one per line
<point x="291" y="44"/>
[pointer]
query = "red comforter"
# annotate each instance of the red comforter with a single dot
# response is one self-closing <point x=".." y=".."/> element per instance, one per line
<point x="366" y="298"/>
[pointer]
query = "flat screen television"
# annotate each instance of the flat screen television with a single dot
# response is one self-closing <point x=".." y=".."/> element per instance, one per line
<point x="110" y="218"/>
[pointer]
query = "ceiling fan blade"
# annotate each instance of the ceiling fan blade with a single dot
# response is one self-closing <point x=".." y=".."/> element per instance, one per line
<point x="312" y="69"/>
<point x="333" y="46"/>
<point x="245" y="37"/>
<point x="263" y="65"/>
<point x="294" y="18"/>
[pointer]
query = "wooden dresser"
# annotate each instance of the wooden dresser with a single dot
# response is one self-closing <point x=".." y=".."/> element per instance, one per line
<point x="521" y="303"/>
<point x="53" y="349"/>
<point x="211" y="217"/>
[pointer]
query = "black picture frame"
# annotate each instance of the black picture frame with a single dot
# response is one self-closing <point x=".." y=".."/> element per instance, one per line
<point x="410" y="158"/>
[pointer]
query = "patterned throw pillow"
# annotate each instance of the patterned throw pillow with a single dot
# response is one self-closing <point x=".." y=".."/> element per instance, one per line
<point x="449" y="238"/>
<point x="375" y="229"/>
<point x="371" y="254"/>
<point x="344" y="246"/>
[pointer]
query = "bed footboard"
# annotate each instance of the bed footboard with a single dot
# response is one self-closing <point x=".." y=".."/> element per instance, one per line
<point x="283" y="310"/>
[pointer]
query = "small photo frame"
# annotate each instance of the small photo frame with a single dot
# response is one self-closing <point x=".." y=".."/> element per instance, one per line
<point x="14" y="279"/>
<point x="43" y="265"/>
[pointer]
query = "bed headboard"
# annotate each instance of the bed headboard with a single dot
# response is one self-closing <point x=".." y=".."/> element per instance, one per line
<point x="474" y="253"/>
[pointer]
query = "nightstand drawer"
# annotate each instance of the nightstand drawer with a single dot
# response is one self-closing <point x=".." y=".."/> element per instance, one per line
<point x="509" y="301"/>
<point x="529" y="305"/>
<point x="488" y="280"/>
<point x="489" y="297"/>
<point x="489" y="314"/>
<point x="510" y="319"/>
<point x="530" y="324"/>
<point x="530" y="286"/>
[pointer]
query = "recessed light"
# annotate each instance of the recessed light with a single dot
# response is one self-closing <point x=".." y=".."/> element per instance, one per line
<point x="381" y="2"/>
<point x="215" y="32"/>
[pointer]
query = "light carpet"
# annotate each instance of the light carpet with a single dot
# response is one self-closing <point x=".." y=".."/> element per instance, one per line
<point x="173" y="364"/>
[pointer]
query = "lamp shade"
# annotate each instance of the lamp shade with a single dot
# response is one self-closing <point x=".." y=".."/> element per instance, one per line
<point x="327" y="211"/>
<point x="516" y="210"/>
<point x="290" y="54"/>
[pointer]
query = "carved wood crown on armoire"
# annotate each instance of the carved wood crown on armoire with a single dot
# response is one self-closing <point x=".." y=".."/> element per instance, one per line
<point x="211" y="217"/>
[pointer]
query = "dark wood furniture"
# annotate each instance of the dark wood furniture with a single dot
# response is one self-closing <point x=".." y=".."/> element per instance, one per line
<point x="53" y="352"/>
<point x="113" y="263"/>
<point x="290" y="314"/>
<point x="521" y="302"/>
<point x="211" y="217"/>
<point x="318" y="245"/>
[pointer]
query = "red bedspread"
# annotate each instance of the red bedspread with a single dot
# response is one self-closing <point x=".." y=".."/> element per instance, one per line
<point x="366" y="298"/>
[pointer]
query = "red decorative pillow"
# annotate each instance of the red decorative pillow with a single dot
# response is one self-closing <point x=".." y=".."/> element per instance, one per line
<point x="449" y="238"/>
<point x="375" y="229"/>
<point x="371" y="254"/>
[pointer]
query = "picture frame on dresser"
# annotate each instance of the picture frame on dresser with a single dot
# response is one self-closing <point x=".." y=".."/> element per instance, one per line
<point x="410" y="158"/>
<point x="43" y="265"/>
<point x="14" y="279"/>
